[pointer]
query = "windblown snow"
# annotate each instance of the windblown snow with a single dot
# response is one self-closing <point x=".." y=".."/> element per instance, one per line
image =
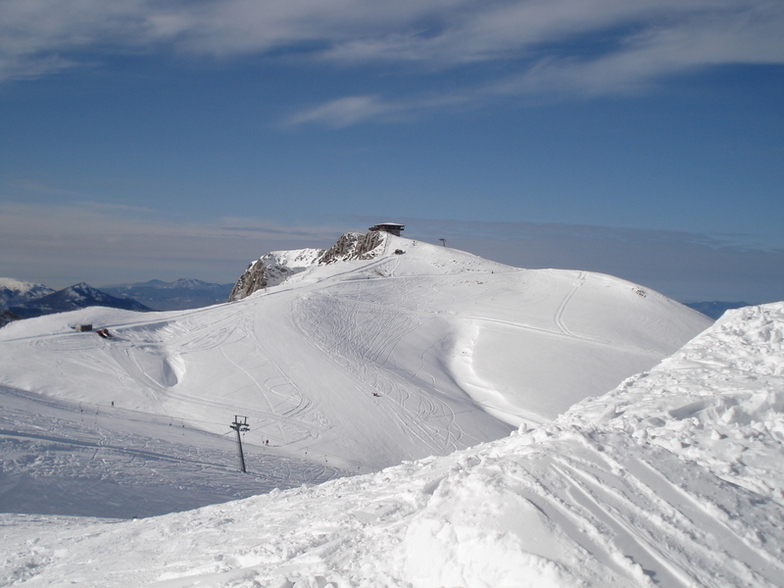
<point x="675" y="478"/>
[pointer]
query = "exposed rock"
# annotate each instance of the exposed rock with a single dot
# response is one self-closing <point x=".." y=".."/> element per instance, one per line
<point x="7" y="317"/>
<point x="258" y="276"/>
<point x="276" y="267"/>
<point x="353" y="246"/>
<point x="273" y="269"/>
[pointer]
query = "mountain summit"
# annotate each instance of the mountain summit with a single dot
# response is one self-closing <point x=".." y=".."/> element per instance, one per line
<point x="377" y="350"/>
<point x="276" y="267"/>
<point x="74" y="297"/>
<point x="15" y="292"/>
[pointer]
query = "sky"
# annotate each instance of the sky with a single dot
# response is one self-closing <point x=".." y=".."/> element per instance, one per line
<point x="184" y="138"/>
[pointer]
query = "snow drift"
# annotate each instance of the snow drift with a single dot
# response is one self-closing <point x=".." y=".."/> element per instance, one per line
<point x="675" y="478"/>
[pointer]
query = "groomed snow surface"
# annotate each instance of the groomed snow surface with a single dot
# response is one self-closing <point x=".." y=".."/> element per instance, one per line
<point x="676" y="478"/>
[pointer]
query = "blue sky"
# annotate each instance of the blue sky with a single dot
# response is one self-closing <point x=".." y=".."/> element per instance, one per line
<point x="159" y="139"/>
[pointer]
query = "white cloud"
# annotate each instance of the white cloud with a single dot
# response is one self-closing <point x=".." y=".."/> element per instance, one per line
<point x="573" y="46"/>
<point x="346" y="111"/>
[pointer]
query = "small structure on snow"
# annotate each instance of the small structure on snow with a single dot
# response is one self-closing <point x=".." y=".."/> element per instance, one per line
<point x="82" y="328"/>
<point x="391" y="228"/>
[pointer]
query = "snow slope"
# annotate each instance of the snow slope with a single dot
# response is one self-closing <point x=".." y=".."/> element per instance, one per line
<point x="66" y="459"/>
<point x="675" y="478"/>
<point x="362" y="364"/>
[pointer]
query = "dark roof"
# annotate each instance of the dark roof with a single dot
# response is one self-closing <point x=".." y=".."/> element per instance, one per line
<point x="387" y="226"/>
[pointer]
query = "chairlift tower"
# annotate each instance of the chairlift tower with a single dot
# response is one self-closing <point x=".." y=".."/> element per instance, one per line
<point x="240" y="426"/>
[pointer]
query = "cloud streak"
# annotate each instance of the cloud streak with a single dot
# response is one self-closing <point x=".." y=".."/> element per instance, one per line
<point x="61" y="244"/>
<point x="572" y="47"/>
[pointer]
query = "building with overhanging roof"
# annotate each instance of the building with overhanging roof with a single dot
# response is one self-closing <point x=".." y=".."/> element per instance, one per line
<point x="391" y="228"/>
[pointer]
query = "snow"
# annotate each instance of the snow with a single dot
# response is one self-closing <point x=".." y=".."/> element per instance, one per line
<point x="483" y="387"/>
<point x="17" y="285"/>
<point x="60" y="458"/>
<point x="363" y="364"/>
<point x="14" y="291"/>
<point x="674" y="478"/>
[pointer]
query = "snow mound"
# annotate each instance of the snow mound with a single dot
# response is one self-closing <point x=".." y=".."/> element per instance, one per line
<point x="661" y="482"/>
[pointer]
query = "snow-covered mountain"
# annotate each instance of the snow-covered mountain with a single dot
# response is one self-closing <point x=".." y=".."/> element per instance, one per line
<point x="365" y="361"/>
<point x="181" y="294"/>
<point x="676" y="478"/>
<point x="14" y="292"/>
<point x="80" y="295"/>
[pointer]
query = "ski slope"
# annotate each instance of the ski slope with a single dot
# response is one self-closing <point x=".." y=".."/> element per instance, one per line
<point x="85" y="460"/>
<point x="359" y="365"/>
<point x="675" y="478"/>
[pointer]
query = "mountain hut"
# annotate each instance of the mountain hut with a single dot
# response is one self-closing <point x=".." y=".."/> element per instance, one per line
<point x="391" y="228"/>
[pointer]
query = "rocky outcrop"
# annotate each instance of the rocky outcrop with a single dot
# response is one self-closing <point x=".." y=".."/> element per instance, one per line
<point x="261" y="273"/>
<point x="353" y="246"/>
<point x="276" y="267"/>
<point x="7" y="317"/>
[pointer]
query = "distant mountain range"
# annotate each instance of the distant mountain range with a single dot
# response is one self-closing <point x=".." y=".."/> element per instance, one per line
<point x="177" y="295"/>
<point x="15" y="292"/>
<point x="20" y="299"/>
<point x="72" y="298"/>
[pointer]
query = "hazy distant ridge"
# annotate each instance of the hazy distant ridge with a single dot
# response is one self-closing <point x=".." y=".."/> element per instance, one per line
<point x="181" y="294"/>
<point x="72" y="298"/>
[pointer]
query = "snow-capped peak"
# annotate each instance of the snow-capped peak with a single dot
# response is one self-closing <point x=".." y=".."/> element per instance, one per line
<point x="14" y="291"/>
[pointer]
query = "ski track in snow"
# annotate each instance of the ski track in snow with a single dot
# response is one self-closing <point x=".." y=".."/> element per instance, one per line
<point x="559" y="313"/>
<point x="673" y="479"/>
<point x="368" y="345"/>
<point x="86" y="459"/>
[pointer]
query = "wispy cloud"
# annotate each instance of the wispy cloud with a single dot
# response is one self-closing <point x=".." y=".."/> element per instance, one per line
<point x="576" y="47"/>
<point x="62" y="244"/>
<point x="350" y="110"/>
<point x="346" y="111"/>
